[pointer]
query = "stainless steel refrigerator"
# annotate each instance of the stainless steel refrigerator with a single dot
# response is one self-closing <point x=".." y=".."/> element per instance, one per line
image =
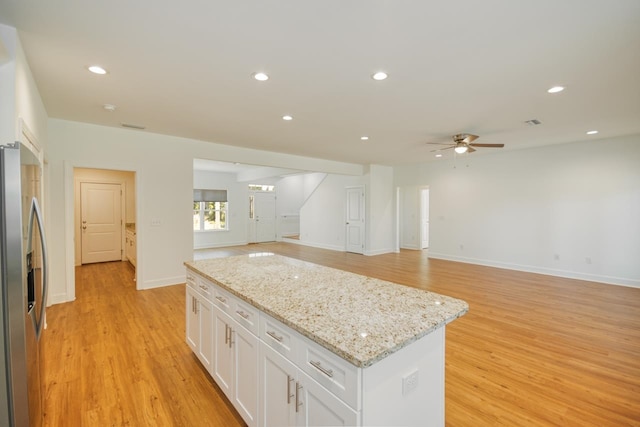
<point x="23" y="270"/>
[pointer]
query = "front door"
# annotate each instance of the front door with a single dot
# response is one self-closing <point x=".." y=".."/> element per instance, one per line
<point x="265" y="213"/>
<point x="355" y="220"/>
<point x="101" y="226"/>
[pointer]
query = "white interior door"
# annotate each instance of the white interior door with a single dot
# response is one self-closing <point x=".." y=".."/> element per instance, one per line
<point x="424" y="218"/>
<point x="355" y="220"/>
<point x="101" y="226"/>
<point x="265" y="214"/>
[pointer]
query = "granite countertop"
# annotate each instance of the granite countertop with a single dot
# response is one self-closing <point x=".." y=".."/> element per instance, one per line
<point x="359" y="318"/>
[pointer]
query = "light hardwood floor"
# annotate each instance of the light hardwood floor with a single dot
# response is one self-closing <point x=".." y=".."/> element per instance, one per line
<point x="533" y="350"/>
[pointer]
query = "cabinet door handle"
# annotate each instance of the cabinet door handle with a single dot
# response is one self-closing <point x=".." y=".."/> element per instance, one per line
<point x="289" y="395"/>
<point x="231" y="332"/>
<point x="204" y="288"/>
<point x="226" y="334"/>
<point x="221" y="299"/>
<point x="319" y="367"/>
<point x="242" y="314"/>
<point x="274" y="336"/>
<point x="298" y="403"/>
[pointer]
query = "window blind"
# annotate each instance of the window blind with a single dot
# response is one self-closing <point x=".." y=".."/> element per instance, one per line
<point x="209" y="195"/>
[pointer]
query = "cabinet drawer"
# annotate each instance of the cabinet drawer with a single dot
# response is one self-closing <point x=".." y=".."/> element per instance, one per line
<point x="192" y="279"/>
<point x="246" y="315"/>
<point x="278" y="336"/>
<point x="205" y="288"/>
<point x="334" y="373"/>
<point x="223" y="299"/>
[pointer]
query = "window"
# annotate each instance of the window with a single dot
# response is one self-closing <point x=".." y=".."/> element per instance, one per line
<point x="210" y="216"/>
<point x="210" y="208"/>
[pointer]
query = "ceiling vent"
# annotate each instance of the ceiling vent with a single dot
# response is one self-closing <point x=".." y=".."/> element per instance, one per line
<point x="130" y="126"/>
<point x="533" y="122"/>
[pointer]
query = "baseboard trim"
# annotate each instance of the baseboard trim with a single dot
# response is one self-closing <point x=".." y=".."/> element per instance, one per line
<point x="619" y="281"/>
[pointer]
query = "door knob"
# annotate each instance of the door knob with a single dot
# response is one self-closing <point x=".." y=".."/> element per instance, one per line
<point x="84" y="222"/>
<point x="84" y="227"/>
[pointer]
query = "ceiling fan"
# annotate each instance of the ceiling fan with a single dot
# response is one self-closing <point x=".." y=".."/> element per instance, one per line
<point x="463" y="142"/>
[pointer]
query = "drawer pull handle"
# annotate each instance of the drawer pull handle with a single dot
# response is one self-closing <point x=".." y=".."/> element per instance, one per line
<point x="319" y="367"/>
<point x="221" y="299"/>
<point x="289" y="395"/>
<point x="298" y="403"/>
<point x="204" y="288"/>
<point x="242" y="314"/>
<point x="274" y="336"/>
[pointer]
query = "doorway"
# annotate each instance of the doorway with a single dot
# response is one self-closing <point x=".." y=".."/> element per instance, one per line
<point x="424" y="218"/>
<point x="104" y="205"/>
<point x="262" y="213"/>
<point x="355" y="217"/>
<point x="101" y="211"/>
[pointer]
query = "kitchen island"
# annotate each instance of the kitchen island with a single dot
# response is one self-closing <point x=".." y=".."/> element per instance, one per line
<point x="294" y="343"/>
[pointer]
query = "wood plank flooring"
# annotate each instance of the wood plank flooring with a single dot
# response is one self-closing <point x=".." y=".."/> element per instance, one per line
<point x="533" y="350"/>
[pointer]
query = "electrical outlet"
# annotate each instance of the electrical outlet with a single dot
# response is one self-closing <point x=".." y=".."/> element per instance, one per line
<point x="409" y="383"/>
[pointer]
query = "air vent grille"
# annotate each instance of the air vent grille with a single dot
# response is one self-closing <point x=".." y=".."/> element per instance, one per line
<point x="131" y="126"/>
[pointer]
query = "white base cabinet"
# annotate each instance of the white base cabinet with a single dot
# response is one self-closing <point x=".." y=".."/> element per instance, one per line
<point x="199" y="321"/>
<point x="274" y="376"/>
<point x="235" y="365"/>
<point x="289" y="397"/>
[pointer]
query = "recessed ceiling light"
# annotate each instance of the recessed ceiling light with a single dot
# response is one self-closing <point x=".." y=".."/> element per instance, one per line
<point x="556" y="89"/>
<point x="96" y="69"/>
<point x="592" y="132"/>
<point x="364" y="138"/>
<point x="287" y="117"/>
<point x="438" y="155"/>
<point x="261" y="77"/>
<point x="380" y="75"/>
<point x="109" y="107"/>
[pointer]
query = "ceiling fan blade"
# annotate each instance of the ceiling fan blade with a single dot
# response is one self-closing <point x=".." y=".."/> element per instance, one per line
<point x="470" y="149"/>
<point x="442" y="149"/>
<point x="468" y="138"/>
<point x="488" y="145"/>
<point x="438" y="143"/>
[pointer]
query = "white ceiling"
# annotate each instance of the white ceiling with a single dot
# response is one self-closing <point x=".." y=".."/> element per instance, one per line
<point x="483" y="67"/>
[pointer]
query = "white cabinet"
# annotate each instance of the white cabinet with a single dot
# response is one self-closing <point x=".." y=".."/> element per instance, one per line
<point x="289" y="397"/>
<point x="275" y="376"/>
<point x="199" y="320"/>
<point x="130" y="246"/>
<point x="235" y="363"/>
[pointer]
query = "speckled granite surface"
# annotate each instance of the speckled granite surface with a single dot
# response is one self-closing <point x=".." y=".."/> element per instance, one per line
<point x="359" y="318"/>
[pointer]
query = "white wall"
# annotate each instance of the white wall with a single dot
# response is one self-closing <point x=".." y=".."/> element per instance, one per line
<point x="576" y="202"/>
<point x="409" y="217"/>
<point x="322" y="222"/>
<point x="380" y="214"/>
<point x="238" y="198"/>
<point x="164" y="189"/>
<point x="290" y="192"/>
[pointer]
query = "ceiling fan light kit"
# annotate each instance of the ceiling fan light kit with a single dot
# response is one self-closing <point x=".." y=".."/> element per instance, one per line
<point x="463" y="143"/>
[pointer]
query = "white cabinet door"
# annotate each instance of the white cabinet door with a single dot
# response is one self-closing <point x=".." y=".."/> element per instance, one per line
<point x="245" y="346"/>
<point x="222" y="369"/>
<point x="205" y="320"/>
<point x="319" y="407"/>
<point x="277" y="389"/>
<point x="193" y="324"/>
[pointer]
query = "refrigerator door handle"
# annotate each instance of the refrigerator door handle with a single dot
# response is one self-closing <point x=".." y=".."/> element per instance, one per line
<point x="36" y="214"/>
